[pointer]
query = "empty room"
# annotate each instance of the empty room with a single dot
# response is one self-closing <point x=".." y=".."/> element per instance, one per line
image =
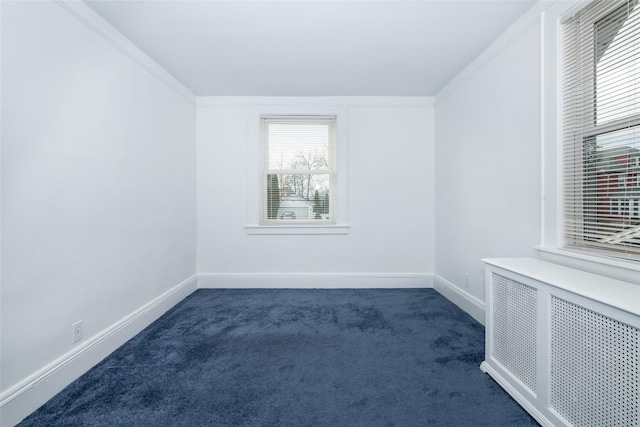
<point x="320" y="213"/>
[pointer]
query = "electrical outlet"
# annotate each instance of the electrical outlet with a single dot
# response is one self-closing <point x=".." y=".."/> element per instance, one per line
<point x="467" y="280"/>
<point x="77" y="331"/>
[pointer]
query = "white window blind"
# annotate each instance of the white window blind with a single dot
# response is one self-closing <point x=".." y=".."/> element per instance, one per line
<point x="601" y="129"/>
<point x="298" y="177"/>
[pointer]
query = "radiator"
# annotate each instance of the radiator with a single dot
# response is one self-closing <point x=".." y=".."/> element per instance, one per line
<point x="563" y="343"/>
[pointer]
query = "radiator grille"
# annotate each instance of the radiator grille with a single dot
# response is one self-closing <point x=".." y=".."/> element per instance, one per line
<point x="514" y="328"/>
<point x="594" y="367"/>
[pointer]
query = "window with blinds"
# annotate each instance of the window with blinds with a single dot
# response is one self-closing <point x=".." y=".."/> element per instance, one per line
<point x="601" y="129"/>
<point x="298" y="177"/>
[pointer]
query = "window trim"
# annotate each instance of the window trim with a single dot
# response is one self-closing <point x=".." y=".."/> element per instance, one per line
<point x="562" y="240"/>
<point x="552" y="246"/>
<point x="331" y="171"/>
<point x="256" y="156"/>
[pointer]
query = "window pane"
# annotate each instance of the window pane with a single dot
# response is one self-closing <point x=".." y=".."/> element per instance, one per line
<point x="611" y="191"/>
<point x="601" y="131"/>
<point x="298" y="146"/>
<point x="301" y="197"/>
<point x="617" y="38"/>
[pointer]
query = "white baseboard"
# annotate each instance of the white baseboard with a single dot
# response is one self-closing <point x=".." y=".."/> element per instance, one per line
<point x="467" y="302"/>
<point x="28" y="395"/>
<point x="315" y="280"/>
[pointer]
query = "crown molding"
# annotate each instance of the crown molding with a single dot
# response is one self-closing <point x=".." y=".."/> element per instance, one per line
<point x="95" y="22"/>
<point x="350" y="101"/>
<point x="531" y="17"/>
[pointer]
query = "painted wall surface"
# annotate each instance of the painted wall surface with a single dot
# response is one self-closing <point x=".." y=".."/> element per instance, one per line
<point x="98" y="185"/>
<point x="390" y="199"/>
<point x="488" y="165"/>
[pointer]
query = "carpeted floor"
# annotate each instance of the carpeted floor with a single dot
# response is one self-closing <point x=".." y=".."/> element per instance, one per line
<point x="382" y="357"/>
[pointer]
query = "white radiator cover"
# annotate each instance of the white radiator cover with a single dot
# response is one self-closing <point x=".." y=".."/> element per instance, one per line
<point x="563" y="343"/>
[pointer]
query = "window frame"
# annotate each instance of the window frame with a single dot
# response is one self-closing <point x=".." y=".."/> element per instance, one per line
<point x="256" y="157"/>
<point x="266" y="171"/>
<point x="589" y="132"/>
<point x="551" y="245"/>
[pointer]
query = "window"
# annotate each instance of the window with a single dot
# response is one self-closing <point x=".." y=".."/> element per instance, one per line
<point x="601" y="128"/>
<point x="622" y="180"/>
<point x="299" y="169"/>
<point x="615" y="207"/>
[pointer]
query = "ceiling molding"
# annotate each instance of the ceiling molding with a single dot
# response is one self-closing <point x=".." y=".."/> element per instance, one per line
<point x="531" y="17"/>
<point x="351" y="101"/>
<point x="87" y="16"/>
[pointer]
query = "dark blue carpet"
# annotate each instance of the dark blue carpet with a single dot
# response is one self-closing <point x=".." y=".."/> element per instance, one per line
<point x="404" y="357"/>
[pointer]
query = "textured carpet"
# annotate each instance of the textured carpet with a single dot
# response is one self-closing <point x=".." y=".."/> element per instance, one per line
<point x="343" y="357"/>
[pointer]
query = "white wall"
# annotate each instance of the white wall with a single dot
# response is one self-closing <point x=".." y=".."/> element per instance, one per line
<point x="98" y="186"/>
<point x="488" y="165"/>
<point x="390" y="154"/>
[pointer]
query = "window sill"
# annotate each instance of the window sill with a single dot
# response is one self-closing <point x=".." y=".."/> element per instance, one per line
<point x="615" y="268"/>
<point x="297" y="229"/>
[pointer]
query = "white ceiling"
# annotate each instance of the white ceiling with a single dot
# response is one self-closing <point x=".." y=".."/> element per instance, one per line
<point x="312" y="48"/>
